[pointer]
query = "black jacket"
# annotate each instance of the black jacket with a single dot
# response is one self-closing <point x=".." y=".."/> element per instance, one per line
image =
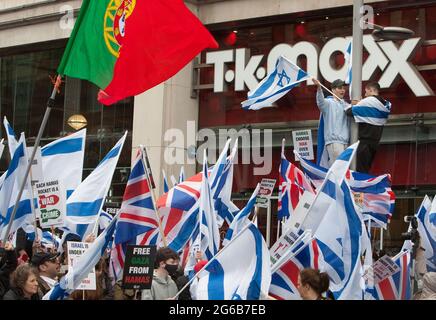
<point x="7" y="266"/>
<point x="17" y="294"/>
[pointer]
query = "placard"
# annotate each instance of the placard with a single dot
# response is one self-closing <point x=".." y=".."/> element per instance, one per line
<point x="138" y="267"/>
<point x="303" y="144"/>
<point x="75" y="251"/>
<point x="265" y="192"/>
<point x="51" y="203"/>
<point x="280" y="248"/>
<point x="381" y="269"/>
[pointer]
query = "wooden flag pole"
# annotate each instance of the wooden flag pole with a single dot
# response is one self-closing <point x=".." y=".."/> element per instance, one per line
<point x="144" y="152"/>
<point x="50" y="104"/>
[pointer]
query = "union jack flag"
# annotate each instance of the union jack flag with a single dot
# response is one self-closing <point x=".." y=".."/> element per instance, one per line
<point x="284" y="281"/>
<point x="292" y="184"/>
<point x="397" y="286"/>
<point x="137" y="223"/>
<point x="179" y="207"/>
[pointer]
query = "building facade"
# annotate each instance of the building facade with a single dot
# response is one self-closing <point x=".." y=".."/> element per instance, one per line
<point x="207" y="93"/>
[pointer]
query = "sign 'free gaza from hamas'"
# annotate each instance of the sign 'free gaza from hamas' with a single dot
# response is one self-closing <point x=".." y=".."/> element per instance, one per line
<point x="138" y="267"/>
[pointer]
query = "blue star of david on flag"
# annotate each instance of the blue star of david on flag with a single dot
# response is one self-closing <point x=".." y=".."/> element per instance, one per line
<point x="285" y="76"/>
<point x="281" y="76"/>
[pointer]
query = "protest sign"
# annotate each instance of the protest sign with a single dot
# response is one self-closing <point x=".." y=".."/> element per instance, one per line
<point x="265" y="192"/>
<point x="303" y="144"/>
<point x="51" y="203"/>
<point x="75" y="251"/>
<point x="138" y="267"/>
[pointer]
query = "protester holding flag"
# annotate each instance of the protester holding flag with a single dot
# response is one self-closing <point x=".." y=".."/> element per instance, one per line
<point x="371" y="113"/>
<point x="334" y="126"/>
<point x="312" y="284"/>
<point x="24" y="284"/>
<point x="163" y="287"/>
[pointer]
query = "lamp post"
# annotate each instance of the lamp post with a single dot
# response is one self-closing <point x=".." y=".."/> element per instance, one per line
<point x="356" y="71"/>
<point x="380" y="33"/>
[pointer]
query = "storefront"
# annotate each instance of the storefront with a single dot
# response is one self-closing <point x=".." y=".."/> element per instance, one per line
<point x="316" y="40"/>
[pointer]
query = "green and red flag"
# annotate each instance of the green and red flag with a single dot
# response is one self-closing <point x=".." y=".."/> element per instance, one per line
<point x="128" y="46"/>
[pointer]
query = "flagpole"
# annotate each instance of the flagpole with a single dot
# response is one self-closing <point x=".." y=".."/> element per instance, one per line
<point x="50" y="104"/>
<point x="153" y="198"/>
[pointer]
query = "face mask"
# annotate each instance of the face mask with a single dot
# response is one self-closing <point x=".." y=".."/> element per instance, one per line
<point x="171" y="268"/>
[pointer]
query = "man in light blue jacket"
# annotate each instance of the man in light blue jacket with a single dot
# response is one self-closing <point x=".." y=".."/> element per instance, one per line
<point x="336" y="122"/>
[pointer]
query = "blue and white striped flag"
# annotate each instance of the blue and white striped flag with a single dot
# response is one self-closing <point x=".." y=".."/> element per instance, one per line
<point x="222" y="177"/>
<point x="339" y="238"/>
<point x="427" y="232"/>
<point x="85" y="203"/>
<point x="326" y="193"/>
<point x="14" y="177"/>
<point x="12" y="141"/>
<point x="84" y="265"/>
<point x="62" y="160"/>
<point x="240" y="271"/>
<point x="209" y="236"/>
<point x="372" y="111"/>
<point x="241" y="219"/>
<point x="285" y="76"/>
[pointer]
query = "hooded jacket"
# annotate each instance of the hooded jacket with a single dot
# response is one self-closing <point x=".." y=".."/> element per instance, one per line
<point x="161" y="289"/>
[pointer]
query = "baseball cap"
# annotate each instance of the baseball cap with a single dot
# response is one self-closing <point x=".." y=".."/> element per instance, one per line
<point x="41" y="257"/>
<point x="338" y="83"/>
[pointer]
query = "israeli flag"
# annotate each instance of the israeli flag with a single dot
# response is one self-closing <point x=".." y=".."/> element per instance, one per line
<point x="241" y="219"/>
<point x="62" y="160"/>
<point x="326" y="195"/>
<point x="209" y="235"/>
<point x="427" y="231"/>
<point x="339" y="238"/>
<point x="9" y="191"/>
<point x="84" y="265"/>
<point x="240" y="271"/>
<point x="372" y="111"/>
<point x="222" y="177"/>
<point x="285" y="76"/>
<point x="12" y="141"/>
<point x="85" y="203"/>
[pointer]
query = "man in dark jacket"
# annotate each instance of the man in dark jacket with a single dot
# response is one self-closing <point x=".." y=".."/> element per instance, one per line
<point x="371" y="113"/>
<point x="48" y="267"/>
<point x="8" y="263"/>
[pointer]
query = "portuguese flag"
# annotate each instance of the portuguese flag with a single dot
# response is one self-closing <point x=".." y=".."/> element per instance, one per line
<point x="128" y="46"/>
